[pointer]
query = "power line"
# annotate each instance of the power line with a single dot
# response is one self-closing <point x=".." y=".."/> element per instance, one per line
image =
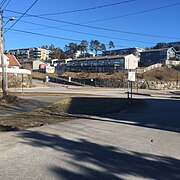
<point x="2" y="3"/>
<point x="148" y="10"/>
<point x="91" y="34"/>
<point x="131" y="14"/>
<point x="88" y="9"/>
<point x="21" y="16"/>
<point x="50" y="36"/>
<point x="7" y="4"/>
<point x="96" y="27"/>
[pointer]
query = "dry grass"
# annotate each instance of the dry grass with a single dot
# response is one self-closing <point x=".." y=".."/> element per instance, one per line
<point x="39" y="75"/>
<point x="162" y="74"/>
<point x="82" y="75"/>
<point x="67" y="109"/>
<point x="158" y="74"/>
<point x="10" y="100"/>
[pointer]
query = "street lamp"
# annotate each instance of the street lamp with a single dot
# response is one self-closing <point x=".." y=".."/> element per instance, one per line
<point x="3" y="63"/>
<point x="10" y="19"/>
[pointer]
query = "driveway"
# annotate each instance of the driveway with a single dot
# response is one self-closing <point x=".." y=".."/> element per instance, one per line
<point x="142" y="143"/>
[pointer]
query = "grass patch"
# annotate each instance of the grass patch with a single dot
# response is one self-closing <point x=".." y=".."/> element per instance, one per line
<point x="10" y="100"/>
<point x="39" y="75"/>
<point x="67" y="109"/>
<point x="162" y="74"/>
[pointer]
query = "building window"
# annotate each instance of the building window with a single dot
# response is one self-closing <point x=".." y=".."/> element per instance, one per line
<point x="148" y="54"/>
<point x="162" y="53"/>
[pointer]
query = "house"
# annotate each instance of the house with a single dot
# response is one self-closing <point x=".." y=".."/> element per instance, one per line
<point x="175" y="45"/>
<point x="154" y="56"/>
<point x="178" y="55"/>
<point x="10" y="61"/>
<point x="13" y="62"/>
<point x="103" y="63"/>
<point x="13" y="74"/>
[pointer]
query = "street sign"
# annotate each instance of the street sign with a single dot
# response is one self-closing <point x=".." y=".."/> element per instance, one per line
<point x="131" y="76"/>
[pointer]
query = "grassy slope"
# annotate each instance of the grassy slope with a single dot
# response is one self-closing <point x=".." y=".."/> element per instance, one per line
<point x="163" y="73"/>
<point x="159" y="74"/>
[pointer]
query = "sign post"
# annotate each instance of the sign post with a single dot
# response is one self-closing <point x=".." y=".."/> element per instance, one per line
<point x="131" y="78"/>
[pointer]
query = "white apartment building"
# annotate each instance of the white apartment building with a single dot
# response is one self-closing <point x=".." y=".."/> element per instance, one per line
<point x="30" y="53"/>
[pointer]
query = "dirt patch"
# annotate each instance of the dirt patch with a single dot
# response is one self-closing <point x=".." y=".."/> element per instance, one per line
<point x="67" y="109"/>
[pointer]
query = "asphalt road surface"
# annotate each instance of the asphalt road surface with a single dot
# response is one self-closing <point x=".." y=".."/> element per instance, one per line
<point x="142" y="143"/>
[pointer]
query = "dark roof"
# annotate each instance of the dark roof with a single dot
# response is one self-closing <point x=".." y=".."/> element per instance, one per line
<point x="101" y="57"/>
<point x="156" y="50"/>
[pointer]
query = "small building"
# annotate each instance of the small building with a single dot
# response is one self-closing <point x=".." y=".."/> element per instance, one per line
<point x="154" y="56"/>
<point x="32" y="64"/>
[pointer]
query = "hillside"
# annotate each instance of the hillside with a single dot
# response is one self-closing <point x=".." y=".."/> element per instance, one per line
<point x="159" y="74"/>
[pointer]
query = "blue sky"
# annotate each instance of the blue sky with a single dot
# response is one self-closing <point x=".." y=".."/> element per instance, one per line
<point x="162" y="22"/>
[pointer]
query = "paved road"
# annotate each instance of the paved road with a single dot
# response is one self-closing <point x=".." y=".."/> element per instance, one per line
<point x="113" y="92"/>
<point x="142" y="143"/>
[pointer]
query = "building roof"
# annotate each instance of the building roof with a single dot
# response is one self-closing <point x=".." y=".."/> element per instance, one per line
<point x="12" y="61"/>
<point x="125" y="49"/>
<point x="102" y="57"/>
<point x="156" y="50"/>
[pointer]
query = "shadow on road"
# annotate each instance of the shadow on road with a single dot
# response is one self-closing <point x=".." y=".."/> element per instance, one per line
<point x="104" y="162"/>
<point x="163" y="114"/>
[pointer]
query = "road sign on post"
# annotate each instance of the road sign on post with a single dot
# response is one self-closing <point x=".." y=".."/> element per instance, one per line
<point x="131" y="78"/>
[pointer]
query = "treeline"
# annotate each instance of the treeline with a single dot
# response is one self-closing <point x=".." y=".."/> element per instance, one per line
<point x="71" y="49"/>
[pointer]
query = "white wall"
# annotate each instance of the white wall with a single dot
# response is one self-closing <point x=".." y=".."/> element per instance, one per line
<point x="131" y="62"/>
<point x="16" y="71"/>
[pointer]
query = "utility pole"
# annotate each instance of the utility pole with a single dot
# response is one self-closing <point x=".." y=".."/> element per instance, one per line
<point x="4" y="84"/>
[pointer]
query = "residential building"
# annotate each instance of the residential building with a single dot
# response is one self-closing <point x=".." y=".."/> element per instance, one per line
<point x="175" y="45"/>
<point x="135" y="51"/>
<point x="83" y="54"/>
<point x="103" y="63"/>
<point x="154" y="56"/>
<point x="30" y="53"/>
<point x="177" y="55"/>
<point x="13" y="62"/>
<point x="14" y="75"/>
<point x="10" y="61"/>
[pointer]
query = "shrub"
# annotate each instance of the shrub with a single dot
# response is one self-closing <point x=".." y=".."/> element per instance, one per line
<point x="159" y="77"/>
